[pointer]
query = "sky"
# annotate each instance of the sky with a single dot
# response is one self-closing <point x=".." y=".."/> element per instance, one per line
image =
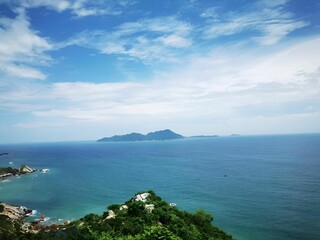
<point x="83" y="70"/>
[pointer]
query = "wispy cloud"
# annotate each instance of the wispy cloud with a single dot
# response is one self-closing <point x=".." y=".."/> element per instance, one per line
<point x="79" y="8"/>
<point x="22" y="71"/>
<point x="21" y="48"/>
<point x="146" y="39"/>
<point x="208" y="92"/>
<point x="58" y="5"/>
<point x="208" y="86"/>
<point x="166" y="38"/>
<point x="265" y="21"/>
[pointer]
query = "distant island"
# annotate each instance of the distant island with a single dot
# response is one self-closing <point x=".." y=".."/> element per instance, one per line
<point x="162" y="135"/>
<point x="204" y="136"/>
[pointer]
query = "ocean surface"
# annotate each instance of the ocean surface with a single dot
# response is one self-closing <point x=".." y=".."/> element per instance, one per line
<point x="256" y="187"/>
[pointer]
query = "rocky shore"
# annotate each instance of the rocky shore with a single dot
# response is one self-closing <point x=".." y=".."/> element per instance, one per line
<point x="11" y="172"/>
<point x="10" y="217"/>
<point x="13" y="212"/>
<point x="13" y="216"/>
<point x="145" y="216"/>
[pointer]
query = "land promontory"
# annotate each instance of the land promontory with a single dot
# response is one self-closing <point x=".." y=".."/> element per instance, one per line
<point x="143" y="217"/>
<point x="10" y="172"/>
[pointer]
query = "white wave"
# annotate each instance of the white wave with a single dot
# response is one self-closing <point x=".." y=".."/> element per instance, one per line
<point x="44" y="220"/>
<point x="34" y="212"/>
<point x="45" y="170"/>
<point x="10" y="162"/>
<point x="6" y="180"/>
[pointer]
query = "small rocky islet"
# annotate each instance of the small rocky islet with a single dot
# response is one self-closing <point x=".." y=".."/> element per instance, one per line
<point x="6" y="172"/>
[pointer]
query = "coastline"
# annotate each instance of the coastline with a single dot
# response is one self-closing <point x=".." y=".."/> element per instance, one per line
<point x="12" y="216"/>
<point x="181" y="163"/>
<point x="8" y="172"/>
<point x="144" y="216"/>
<point x="14" y="212"/>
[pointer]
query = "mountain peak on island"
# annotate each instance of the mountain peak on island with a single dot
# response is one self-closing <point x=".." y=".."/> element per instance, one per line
<point x="161" y="135"/>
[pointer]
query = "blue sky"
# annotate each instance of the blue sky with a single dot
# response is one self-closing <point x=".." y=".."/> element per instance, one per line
<point x="78" y="70"/>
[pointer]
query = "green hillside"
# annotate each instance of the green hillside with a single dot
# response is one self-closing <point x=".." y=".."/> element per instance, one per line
<point x="144" y="217"/>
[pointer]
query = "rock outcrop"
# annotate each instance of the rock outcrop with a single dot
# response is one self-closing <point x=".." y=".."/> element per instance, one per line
<point x="111" y="215"/>
<point x="149" y="207"/>
<point x="13" y="212"/>
<point x="123" y="208"/>
<point x="142" y="197"/>
<point x="9" y="171"/>
<point x="26" y="169"/>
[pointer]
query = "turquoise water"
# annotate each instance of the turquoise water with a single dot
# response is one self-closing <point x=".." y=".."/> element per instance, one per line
<point x="257" y="187"/>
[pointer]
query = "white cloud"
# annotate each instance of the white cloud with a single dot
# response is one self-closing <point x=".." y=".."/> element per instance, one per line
<point x="58" y="5"/>
<point x="292" y="65"/>
<point x="174" y="40"/>
<point x="79" y="8"/>
<point x="210" y="13"/>
<point x="218" y="92"/>
<point x="22" y="71"/>
<point x="21" y="48"/>
<point x="267" y="21"/>
<point x="276" y="31"/>
<point x="146" y="40"/>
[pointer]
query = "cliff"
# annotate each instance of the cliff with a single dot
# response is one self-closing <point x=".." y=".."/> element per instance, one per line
<point x="11" y="218"/>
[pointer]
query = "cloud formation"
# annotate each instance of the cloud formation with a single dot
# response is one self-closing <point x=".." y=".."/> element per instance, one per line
<point x="201" y="70"/>
<point x="21" y="48"/>
<point x="267" y="21"/>
<point x="146" y="39"/>
<point x="79" y="8"/>
<point x="208" y="92"/>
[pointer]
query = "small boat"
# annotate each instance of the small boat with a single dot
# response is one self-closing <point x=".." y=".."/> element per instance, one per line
<point x="42" y="218"/>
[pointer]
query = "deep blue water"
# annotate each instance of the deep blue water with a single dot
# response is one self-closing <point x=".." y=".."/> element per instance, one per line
<point x="256" y="187"/>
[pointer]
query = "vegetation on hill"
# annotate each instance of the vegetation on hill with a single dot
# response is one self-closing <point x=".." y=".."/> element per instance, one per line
<point x="124" y="138"/>
<point x="163" y="135"/>
<point x="8" y="228"/>
<point x="158" y="135"/>
<point x="144" y="217"/>
<point x="9" y="170"/>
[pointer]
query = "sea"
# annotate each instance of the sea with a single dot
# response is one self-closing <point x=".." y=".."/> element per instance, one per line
<point x="256" y="187"/>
